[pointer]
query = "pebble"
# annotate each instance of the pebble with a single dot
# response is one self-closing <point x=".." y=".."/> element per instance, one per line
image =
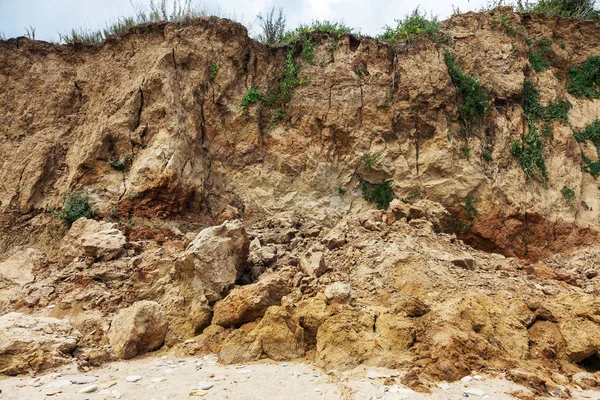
<point x="53" y="391"/>
<point x="475" y="392"/>
<point x="466" y="379"/>
<point x="189" y="341"/>
<point x="133" y="378"/>
<point x="444" y="386"/>
<point x="83" y="380"/>
<point x="89" y="389"/>
<point x="204" y="385"/>
<point x="477" y="377"/>
<point x="158" y="380"/>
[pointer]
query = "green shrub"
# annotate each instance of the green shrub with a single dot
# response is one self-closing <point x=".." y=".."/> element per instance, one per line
<point x="214" y="69"/>
<point x="569" y="195"/>
<point x="470" y="210"/>
<point x="332" y="29"/>
<point x="473" y="105"/>
<point x="585" y="78"/>
<point x="119" y="164"/>
<point x="486" y="154"/>
<point x="579" y="9"/>
<point x="530" y="155"/>
<point x="412" y="26"/>
<point x="537" y="54"/>
<point x="413" y="195"/>
<point x="590" y="133"/>
<point x="272" y="26"/>
<point x="75" y="206"/>
<point x="251" y="97"/>
<point x="370" y="160"/>
<point x="380" y="194"/>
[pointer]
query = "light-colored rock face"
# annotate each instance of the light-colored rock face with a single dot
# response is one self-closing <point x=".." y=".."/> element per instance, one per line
<point x="34" y="343"/>
<point x="138" y="329"/>
<point x="19" y="267"/>
<point x="96" y="239"/>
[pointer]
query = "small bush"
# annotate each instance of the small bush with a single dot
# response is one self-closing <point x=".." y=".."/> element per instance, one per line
<point x="370" y="160"/>
<point x="381" y="194"/>
<point x="579" y="9"/>
<point x="590" y="133"/>
<point x="537" y="54"/>
<point x="569" y="195"/>
<point x="214" y="69"/>
<point x="470" y="210"/>
<point x="119" y="164"/>
<point x="585" y="78"/>
<point x="412" y="26"/>
<point x="530" y="155"/>
<point x="473" y="105"/>
<point x="413" y="195"/>
<point x="486" y="154"/>
<point x="272" y="26"/>
<point x="332" y="29"/>
<point x="251" y="97"/>
<point x="75" y="206"/>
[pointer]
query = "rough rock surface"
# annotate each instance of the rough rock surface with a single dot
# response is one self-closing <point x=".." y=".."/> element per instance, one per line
<point x="472" y="266"/>
<point x="99" y="240"/>
<point x="34" y="343"/>
<point x="137" y="329"/>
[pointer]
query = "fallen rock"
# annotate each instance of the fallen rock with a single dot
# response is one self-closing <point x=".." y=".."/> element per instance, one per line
<point x="338" y="292"/>
<point x="313" y="263"/>
<point x="334" y="239"/>
<point x="345" y="340"/>
<point x="138" y="329"/>
<point x="133" y="378"/>
<point x="36" y="343"/>
<point x="246" y="303"/>
<point x="99" y="240"/>
<point x="215" y="258"/>
<point x="18" y="267"/>
<point x="240" y="347"/>
<point x="280" y="336"/>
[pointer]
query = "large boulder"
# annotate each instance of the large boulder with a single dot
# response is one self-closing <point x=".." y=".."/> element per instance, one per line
<point x="100" y="240"/>
<point x="138" y="329"/>
<point x="246" y="303"/>
<point x="215" y="259"/>
<point x="34" y="343"/>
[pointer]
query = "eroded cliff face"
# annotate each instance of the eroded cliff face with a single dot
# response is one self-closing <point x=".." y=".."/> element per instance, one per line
<point x="413" y="295"/>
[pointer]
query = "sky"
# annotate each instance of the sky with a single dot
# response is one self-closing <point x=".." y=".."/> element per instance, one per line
<point x="49" y="17"/>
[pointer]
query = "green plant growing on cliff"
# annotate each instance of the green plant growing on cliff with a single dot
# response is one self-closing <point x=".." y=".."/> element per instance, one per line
<point x="413" y="195"/>
<point x="212" y="73"/>
<point x="413" y="25"/>
<point x="584" y="79"/>
<point x="472" y="97"/>
<point x="569" y="195"/>
<point x="590" y="133"/>
<point x="370" y="160"/>
<point x="537" y="54"/>
<point x="331" y="29"/>
<point x="486" y="154"/>
<point x="530" y="153"/>
<point x="120" y="163"/>
<point x="252" y="96"/>
<point x="578" y="9"/>
<point x="470" y="210"/>
<point x="381" y="194"/>
<point x="75" y="206"/>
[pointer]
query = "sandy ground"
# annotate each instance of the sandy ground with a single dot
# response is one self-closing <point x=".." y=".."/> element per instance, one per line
<point x="170" y="377"/>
